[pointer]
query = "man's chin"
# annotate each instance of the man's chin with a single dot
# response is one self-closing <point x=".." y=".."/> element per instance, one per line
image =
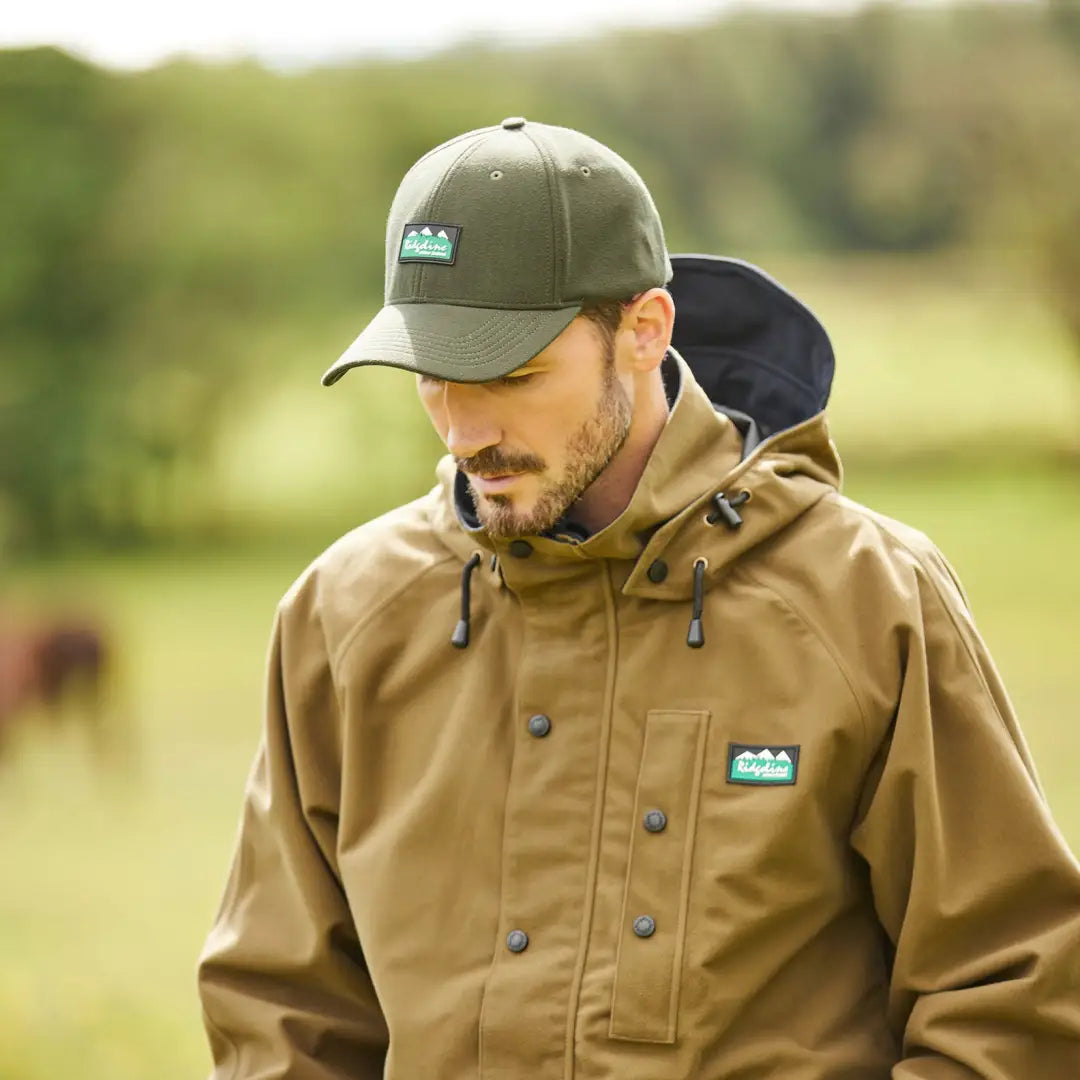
<point x="504" y="517"/>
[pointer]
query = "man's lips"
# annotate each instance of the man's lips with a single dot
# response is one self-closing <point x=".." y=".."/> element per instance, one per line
<point x="488" y="485"/>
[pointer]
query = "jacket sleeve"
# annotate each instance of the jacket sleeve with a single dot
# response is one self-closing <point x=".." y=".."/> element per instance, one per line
<point x="284" y="986"/>
<point x="972" y="881"/>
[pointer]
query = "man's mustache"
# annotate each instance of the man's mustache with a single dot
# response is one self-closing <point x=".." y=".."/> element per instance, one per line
<point x="493" y="462"/>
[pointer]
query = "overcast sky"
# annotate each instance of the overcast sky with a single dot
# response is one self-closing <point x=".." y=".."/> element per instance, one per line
<point x="128" y="34"/>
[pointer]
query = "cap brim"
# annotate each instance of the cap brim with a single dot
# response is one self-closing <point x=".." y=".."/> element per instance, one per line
<point x="449" y="341"/>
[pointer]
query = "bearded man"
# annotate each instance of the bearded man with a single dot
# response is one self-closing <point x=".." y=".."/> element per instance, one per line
<point x="633" y="750"/>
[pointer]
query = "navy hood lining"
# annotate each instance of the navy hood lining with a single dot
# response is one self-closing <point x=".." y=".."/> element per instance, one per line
<point x="751" y="345"/>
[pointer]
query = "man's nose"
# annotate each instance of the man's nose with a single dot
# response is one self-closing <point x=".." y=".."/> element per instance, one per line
<point x="470" y="427"/>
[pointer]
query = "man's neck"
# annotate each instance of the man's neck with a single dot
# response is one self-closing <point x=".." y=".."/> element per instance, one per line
<point x="610" y="493"/>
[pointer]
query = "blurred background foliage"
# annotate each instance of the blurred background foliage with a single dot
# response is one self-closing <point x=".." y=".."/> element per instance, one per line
<point x="187" y="248"/>
<point x="178" y="240"/>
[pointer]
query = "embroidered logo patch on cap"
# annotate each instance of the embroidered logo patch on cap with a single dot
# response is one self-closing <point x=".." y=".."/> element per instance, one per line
<point x="762" y="764"/>
<point x="428" y="241"/>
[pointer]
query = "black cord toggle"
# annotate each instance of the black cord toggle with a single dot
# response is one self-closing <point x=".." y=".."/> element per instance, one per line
<point x="726" y="510"/>
<point x="695" y="638"/>
<point x="460" y="638"/>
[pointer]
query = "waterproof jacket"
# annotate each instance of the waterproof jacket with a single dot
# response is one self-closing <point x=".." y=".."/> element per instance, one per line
<point x="729" y="790"/>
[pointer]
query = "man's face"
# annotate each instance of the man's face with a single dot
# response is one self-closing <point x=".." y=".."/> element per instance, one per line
<point x="532" y="442"/>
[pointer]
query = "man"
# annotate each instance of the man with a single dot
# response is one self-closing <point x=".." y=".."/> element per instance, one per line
<point x="633" y="750"/>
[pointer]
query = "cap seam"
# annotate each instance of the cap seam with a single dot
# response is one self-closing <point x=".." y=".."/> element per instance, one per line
<point x="470" y="302"/>
<point x="549" y="170"/>
<point x="419" y="267"/>
<point x="449" y="142"/>
<point x="433" y="210"/>
<point x="465" y="346"/>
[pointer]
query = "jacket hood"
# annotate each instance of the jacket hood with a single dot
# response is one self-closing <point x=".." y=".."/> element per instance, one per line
<point x="750" y="371"/>
<point x="752" y="346"/>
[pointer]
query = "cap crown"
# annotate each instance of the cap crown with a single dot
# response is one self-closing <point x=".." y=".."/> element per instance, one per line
<point x="519" y="216"/>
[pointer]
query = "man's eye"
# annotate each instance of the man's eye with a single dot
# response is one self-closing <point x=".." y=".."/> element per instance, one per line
<point x="518" y="380"/>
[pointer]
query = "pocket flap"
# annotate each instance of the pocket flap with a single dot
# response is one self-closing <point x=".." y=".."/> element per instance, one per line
<point x="649" y="962"/>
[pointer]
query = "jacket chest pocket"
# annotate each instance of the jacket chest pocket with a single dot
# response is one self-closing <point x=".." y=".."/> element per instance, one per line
<point x="652" y="929"/>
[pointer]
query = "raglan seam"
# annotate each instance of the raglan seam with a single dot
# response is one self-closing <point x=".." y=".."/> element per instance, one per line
<point x="832" y="653"/>
<point x="928" y="573"/>
<point x="351" y="636"/>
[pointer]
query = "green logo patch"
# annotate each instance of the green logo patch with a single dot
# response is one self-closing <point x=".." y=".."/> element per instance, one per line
<point x="428" y="241"/>
<point x="762" y="764"/>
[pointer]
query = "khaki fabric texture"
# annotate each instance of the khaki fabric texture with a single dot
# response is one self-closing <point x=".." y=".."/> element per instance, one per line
<point x="906" y="910"/>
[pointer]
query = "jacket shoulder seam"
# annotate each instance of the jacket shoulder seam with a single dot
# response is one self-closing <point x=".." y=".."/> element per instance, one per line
<point x="354" y="631"/>
<point x="929" y="574"/>
<point x="821" y="638"/>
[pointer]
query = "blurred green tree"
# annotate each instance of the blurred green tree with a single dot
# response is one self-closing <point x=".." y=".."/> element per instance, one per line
<point x="169" y="236"/>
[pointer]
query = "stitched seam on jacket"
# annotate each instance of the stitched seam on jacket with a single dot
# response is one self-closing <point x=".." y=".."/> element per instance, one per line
<point x="824" y="642"/>
<point x="504" y="859"/>
<point x="334" y="683"/>
<point x="611" y="619"/>
<point x="350" y="638"/>
<point x="897" y="543"/>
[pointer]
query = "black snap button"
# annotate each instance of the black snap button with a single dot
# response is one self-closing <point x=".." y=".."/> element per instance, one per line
<point x="512" y="123"/>
<point x="656" y="821"/>
<point x="657" y="571"/>
<point x="539" y="725"/>
<point x="644" y="926"/>
<point x="520" y="549"/>
<point x="517" y="940"/>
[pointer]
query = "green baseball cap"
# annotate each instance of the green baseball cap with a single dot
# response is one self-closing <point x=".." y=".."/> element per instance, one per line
<point x="494" y="241"/>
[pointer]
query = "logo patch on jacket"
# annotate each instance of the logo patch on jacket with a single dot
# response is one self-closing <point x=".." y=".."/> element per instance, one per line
<point x="428" y="241"/>
<point x="762" y="764"/>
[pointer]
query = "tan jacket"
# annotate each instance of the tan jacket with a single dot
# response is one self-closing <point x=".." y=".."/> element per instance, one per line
<point x="451" y="864"/>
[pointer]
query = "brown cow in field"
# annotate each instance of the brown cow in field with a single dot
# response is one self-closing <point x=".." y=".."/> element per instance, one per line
<point x="46" y="668"/>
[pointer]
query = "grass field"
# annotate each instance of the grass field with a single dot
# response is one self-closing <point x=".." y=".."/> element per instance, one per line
<point x="111" y="870"/>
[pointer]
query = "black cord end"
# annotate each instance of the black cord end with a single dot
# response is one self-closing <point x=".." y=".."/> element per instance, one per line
<point x="724" y="510"/>
<point x="460" y="637"/>
<point x="696" y="637"/>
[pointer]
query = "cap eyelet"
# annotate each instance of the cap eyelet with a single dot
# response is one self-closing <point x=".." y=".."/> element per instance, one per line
<point x="586" y="171"/>
<point x="496" y="174"/>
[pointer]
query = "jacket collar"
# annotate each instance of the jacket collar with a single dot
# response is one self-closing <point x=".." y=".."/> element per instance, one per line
<point x="698" y="455"/>
<point x="753" y="349"/>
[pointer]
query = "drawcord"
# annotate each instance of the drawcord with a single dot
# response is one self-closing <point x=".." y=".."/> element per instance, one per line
<point x="460" y="638"/>
<point x="727" y="511"/>
<point x="696" y="636"/>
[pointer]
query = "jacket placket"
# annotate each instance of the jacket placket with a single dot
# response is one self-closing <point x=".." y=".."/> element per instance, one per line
<point x="553" y="814"/>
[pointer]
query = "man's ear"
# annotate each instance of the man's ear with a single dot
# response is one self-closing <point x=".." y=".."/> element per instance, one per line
<point x="646" y="328"/>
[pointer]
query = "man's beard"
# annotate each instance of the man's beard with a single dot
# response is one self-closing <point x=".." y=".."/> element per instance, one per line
<point x="588" y="452"/>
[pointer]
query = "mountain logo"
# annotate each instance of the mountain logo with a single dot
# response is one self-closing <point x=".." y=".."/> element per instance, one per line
<point x="757" y="764"/>
<point x="428" y="241"/>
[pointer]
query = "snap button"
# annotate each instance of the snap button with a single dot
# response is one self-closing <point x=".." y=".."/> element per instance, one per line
<point x="657" y="571"/>
<point x="644" y="926"/>
<point x="520" y="549"/>
<point x="517" y="940"/>
<point x="512" y="123"/>
<point x="656" y="821"/>
<point x="539" y="725"/>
